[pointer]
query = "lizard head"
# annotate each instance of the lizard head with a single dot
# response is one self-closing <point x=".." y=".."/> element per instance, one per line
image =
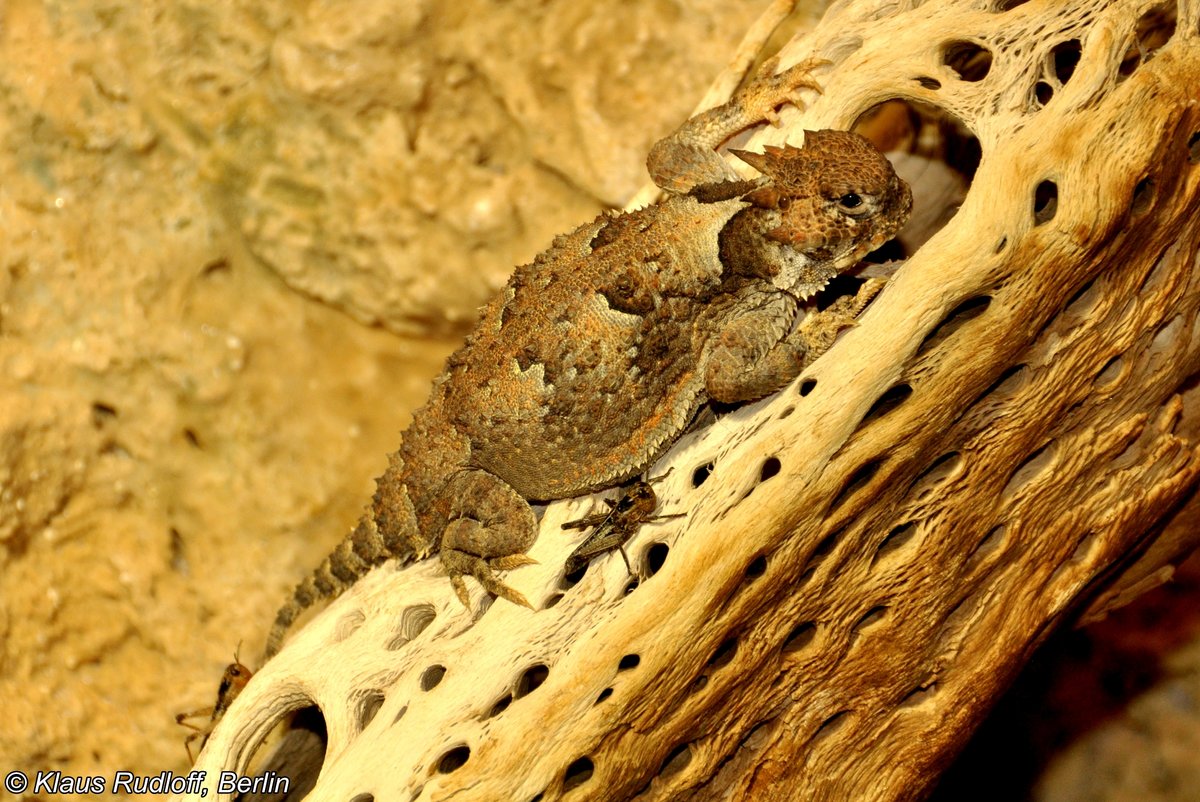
<point x="817" y="210"/>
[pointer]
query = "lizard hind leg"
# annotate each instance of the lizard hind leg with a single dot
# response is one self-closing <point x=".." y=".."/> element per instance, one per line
<point x="491" y="527"/>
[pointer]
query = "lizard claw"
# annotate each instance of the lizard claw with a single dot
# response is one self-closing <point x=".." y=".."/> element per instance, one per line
<point x="460" y="563"/>
<point x="772" y="89"/>
<point x="511" y="561"/>
<point x="460" y="590"/>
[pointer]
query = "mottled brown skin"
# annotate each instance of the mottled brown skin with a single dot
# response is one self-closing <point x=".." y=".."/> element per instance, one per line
<point x="594" y="358"/>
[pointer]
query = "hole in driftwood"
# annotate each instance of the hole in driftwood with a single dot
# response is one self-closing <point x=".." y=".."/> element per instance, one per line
<point x="800" y="637"/>
<point x="786" y="413"/>
<point x="807" y="386"/>
<point x="578" y="773"/>
<point x="571" y="579"/>
<point x="988" y="545"/>
<point x="872" y="617"/>
<point x="1045" y="202"/>
<point x="179" y="561"/>
<point x="348" y="624"/>
<point x="919" y="696"/>
<point x="890" y="400"/>
<point x="1007" y="385"/>
<point x="701" y="474"/>
<point x="1033" y="465"/>
<point x="1129" y="63"/>
<point x="896" y="539"/>
<point x="831" y="725"/>
<point x="1166" y="338"/>
<point x="453" y="760"/>
<point x="554" y="599"/>
<point x="1001" y="245"/>
<point x="1084" y="301"/>
<point x="928" y="83"/>
<point x="297" y="754"/>
<point x="1143" y="196"/>
<point x="216" y="267"/>
<point x="368" y="707"/>
<point x="1007" y="5"/>
<point x="413" y="621"/>
<point x="531" y="679"/>
<point x="938" y="470"/>
<point x="629" y="661"/>
<point x="1065" y="57"/>
<point x="966" y="311"/>
<point x="363" y="798"/>
<point x="935" y="152"/>
<point x="1084" y="548"/>
<point x="1155" y="28"/>
<point x="1070" y="567"/>
<point x="604" y="694"/>
<point x="971" y="61"/>
<point x="857" y="481"/>
<point x="955" y="626"/>
<point x="1194" y="148"/>
<point x="1044" y="92"/>
<point x="632" y="586"/>
<point x="824" y="549"/>
<point x="501" y="705"/>
<point x="770" y="468"/>
<point x="1110" y="373"/>
<point x="1156" y="276"/>
<point x="656" y="557"/>
<point x="724" y="654"/>
<point x="677" y="760"/>
<point x="400" y="714"/>
<point x="431" y="677"/>
<point x="756" y="568"/>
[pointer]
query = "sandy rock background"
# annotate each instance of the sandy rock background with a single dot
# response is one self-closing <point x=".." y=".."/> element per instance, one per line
<point x="236" y="243"/>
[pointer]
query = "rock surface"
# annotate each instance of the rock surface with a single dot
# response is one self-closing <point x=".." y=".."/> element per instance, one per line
<point x="201" y="208"/>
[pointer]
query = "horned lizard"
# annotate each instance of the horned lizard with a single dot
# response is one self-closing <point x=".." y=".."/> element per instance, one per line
<point x="593" y="359"/>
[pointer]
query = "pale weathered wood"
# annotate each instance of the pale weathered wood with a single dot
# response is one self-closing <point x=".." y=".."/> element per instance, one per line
<point x="835" y="630"/>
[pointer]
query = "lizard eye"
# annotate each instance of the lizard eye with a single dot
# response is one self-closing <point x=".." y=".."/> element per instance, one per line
<point x="783" y="203"/>
<point x="853" y="204"/>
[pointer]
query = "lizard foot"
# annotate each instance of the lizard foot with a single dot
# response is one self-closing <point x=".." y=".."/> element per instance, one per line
<point x="850" y="307"/>
<point x="459" y="564"/>
<point x="818" y="331"/>
<point x="770" y="90"/>
<point x="511" y="561"/>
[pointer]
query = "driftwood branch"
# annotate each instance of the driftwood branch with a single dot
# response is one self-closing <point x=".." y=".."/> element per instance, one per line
<point x="869" y="557"/>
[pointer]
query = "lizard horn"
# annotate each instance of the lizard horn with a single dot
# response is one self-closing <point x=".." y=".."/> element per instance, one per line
<point x="758" y="161"/>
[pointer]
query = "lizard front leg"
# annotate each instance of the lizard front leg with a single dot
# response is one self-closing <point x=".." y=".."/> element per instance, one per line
<point x="750" y="361"/>
<point x="490" y="528"/>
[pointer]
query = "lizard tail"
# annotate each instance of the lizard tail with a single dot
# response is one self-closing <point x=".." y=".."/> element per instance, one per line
<point x="353" y="557"/>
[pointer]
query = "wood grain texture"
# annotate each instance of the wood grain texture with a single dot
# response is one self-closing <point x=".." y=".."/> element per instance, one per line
<point x="836" y="630"/>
